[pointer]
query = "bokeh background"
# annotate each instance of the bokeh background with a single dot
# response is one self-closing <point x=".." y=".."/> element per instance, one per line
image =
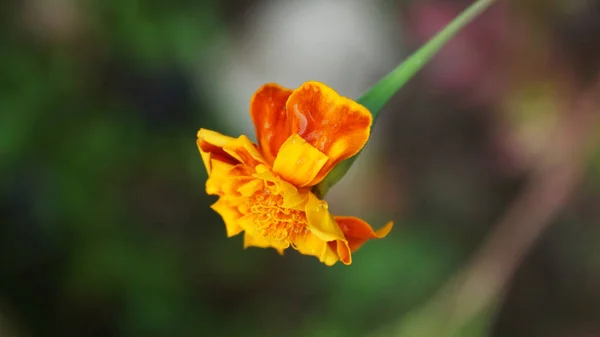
<point x="105" y="228"/>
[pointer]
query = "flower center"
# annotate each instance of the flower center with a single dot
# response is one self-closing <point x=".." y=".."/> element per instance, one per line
<point x="273" y="221"/>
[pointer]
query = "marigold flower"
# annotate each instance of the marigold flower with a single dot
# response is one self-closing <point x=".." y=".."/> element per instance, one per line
<point x="265" y="190"/>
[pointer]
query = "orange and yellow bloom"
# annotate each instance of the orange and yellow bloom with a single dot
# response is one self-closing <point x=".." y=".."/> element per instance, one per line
<point x="265" y="190"/>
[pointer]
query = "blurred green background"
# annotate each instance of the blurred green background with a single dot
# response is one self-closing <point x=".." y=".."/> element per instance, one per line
<point x="105" y="227"/>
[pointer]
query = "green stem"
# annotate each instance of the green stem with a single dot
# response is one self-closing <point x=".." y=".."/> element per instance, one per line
<point x="379" y="95"/>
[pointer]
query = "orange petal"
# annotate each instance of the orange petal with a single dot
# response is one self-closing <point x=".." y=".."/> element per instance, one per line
<point x="298" y="162"/>
<point x="343" y="251"/>
<point x="267" y="110"/>
<point x="337" y="126"/>
<point x="357" y="231"/>
<point x="230" y="216"/>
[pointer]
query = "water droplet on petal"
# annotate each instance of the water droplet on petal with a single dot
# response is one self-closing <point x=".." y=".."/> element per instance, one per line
<point x="302" y="121"/>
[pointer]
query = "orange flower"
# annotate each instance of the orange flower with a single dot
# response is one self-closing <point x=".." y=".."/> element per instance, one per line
<point x="265" y="190"/>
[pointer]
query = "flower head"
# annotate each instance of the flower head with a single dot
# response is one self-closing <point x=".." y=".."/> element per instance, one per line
<point x="265" y="190"/>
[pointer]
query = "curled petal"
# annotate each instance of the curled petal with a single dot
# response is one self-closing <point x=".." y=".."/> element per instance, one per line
<point x="213" y="145"/>
<point x="311" y="244"/>
<point x="224" y="171"/>
<point x="298" y="162"/>
<point x="337" y="126"/>
<point x="267" y="110"/>
<point x="210" y="144"/>
<point x="343" y="251"/>
<point x="357" y="231"/>
<point x="244" y="151"/>
<point x="321" y="222"/>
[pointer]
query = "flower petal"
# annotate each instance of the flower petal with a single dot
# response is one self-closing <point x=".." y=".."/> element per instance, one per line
<point x="337" y="126"/>
<point x="255" y="241"/>
<point x="245" y="151"/>
<point x="230" y="216"/>
<point x="321" y="222"/>
<point x="292" y="197"/>
<point x="218" y="176"/>
<point x="213" y="145"/>
<point x="311" y="244"/>
<point x="237" y="177"/>
<point x="267" y="110"/>
<point x="224" y="171"/>
<point x="357" y="231"/>
<point x="251" y="187"/>
<point x="210" y="144"/>
<point x="298" y="162"/>
<point x="343" y="251"/>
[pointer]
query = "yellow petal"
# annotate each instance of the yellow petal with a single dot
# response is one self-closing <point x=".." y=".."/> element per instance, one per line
<point x="220" y="172"/>
<point x="213" y="145"/>
<point x="230" y="216"/>
<point x="321" y="222"/>
<point x="225" y="179"/>
<point x="205" y="157"/>
<point x="292" y="197"/>
<point x="232" y="185"/>
<point x="210" y="144"/>
<point x="298" y="162"/>
<point x="245" y="151"/>
<point x="213" y="138"/>
<point x="251" y="187"/>
<point x="255" y="241"/>
<point x="310" y="244"/>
